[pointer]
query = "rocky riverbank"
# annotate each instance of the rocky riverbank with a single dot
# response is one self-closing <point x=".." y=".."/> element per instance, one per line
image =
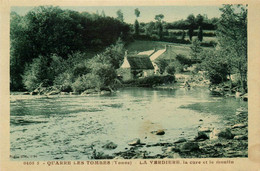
<point x="53" y="90"/>
<point x="230" y="141"/>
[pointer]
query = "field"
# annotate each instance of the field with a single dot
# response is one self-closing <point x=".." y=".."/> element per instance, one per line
<point x="139" y="46"/>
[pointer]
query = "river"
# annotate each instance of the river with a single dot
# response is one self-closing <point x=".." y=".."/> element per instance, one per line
<point x="71" y="127"/>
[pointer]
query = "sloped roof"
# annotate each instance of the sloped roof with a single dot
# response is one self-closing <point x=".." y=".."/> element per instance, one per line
<point x="157" y="54"/>
<point x="140" y="62"/>
<point x="149" y="52"/>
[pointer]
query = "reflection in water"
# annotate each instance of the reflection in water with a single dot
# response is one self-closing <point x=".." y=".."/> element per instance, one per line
<point x="71" y="127"/>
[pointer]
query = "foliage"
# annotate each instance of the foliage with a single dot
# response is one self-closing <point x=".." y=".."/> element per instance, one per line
<point x="200" y="34"/>
<point x="232" y="38"/>
<point x="216" y="66"/>
<point x="137" y="12"/>
<point x="36" y="74"/>
<point x="195" y="51"/>
<point x="184" y="60"/>
<point x="48" y="30"/>
<point x="136" y="27"/>
<point x="159" y="17"/>
<point x="120" y="16"/>
<point x="162" y="64"/>
<point x="191" y="21"/>
<point x="151" y="81"/>
<point x="170" y="69"/>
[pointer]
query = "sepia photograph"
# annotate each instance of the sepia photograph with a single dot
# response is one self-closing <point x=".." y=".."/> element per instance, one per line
<point x="94" y="83"/>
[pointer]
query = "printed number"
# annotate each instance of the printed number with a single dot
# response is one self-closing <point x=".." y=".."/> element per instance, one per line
<point x="28" y="163"/>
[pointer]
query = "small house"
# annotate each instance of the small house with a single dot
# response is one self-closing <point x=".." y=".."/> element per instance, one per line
<point x="135" y="66"/>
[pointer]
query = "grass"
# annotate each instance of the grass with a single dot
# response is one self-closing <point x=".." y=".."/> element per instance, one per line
<point x="139" y="46"/>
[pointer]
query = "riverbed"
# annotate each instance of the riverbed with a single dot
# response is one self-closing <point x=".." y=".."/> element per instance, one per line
<point x="74" y="127"/>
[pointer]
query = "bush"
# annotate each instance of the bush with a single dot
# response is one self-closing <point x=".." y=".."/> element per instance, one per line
<point x="86" y="82"/>
<point x="170" y="69"/>
<point x="151" y="81"/>
<point x="36" y="74"/>
<point x="184" y="60"/>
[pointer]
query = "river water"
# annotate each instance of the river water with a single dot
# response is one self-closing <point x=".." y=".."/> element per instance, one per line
<point x="71" y="127"/>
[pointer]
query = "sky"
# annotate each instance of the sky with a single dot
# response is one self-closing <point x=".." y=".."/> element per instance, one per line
<point x="171" y="13"/>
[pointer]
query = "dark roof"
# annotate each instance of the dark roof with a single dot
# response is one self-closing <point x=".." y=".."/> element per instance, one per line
<point x="140" y="62"/>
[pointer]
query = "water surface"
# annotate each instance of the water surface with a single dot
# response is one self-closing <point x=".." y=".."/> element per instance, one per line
<point x="72" y="127"/>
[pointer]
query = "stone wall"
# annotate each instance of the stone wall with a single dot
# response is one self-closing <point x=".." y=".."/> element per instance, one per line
<point x="125" y="73"/>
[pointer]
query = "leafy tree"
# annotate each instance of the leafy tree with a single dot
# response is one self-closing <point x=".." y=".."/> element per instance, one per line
<point x="162" y="64"/>
<point x="137" y="12"/>
<point x="103" y="13"/>
<point x="183" y="35"/>
<point x="36" y="74"/>
<point x="170" y="69"/>
<point x="136" y="24"/>
<point x="192" y="24"/>
<point x="199" y="19"/>
<point x="232" y="38"/>
<point x="159" y="19"/>
<point x="216" y="66"/>
<point x="120" y="15"/>
<point x="196" y="51"/>
<point x="149" y="27"/>
<point x="200" y="34"/>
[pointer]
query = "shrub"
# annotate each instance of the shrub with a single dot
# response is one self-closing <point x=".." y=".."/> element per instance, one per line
<point x="36" y="74"/>
<point x="86" y="82"/>
<point x="170" y="69"/>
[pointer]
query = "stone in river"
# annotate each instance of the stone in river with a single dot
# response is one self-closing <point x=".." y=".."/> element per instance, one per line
<point x="160" y="132"/>
<point x="110" y="145"/>
<point x="180" y="140"/>
<point x="240" y="137"/>
<point x="190" y="146"/>
<point x="205" y="129"/>
<point x="226" y="134"/>
<point x="241" y="125"/>
<point x="202" y="136"/>
<point x="53" y="93"/>
<point x="134" y="142"/>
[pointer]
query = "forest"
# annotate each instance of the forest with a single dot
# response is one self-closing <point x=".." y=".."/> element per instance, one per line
<point x="75" y="51"/>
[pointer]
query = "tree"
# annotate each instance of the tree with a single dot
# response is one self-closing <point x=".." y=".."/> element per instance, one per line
<point x="36" y="74"/>
<point x="137" y="12"/>
<point x="183" y="35"/>
<point x="136" y="24"/>
<point x="232" y="38"/>
<point x="200" y="34"/>
<point x="159" y="19"/>
<point x="196" y="51"/>
<point x="191" y="21"/>
<point x="170" y="69"/>
<point x="199" y="19"/>
<point x="120" y="15"/>
<point x="216" y="66"/>
<point x="149" y="27"/>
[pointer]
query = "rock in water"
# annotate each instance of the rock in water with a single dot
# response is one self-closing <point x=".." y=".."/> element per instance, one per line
<point x="202" y="136"/>
<point x="190" y="146"/>
<point x="110" y="145"/>
<point x="53" y="93"/>
<point x="180" y="140"/>
<point x="136" y="141"/>
<point x="239" y="126"/>
<point x="160" y="132"/>
<point x="104" y="92"/>
<point x="240" y="137"/>
<point x="226" y="134"/>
